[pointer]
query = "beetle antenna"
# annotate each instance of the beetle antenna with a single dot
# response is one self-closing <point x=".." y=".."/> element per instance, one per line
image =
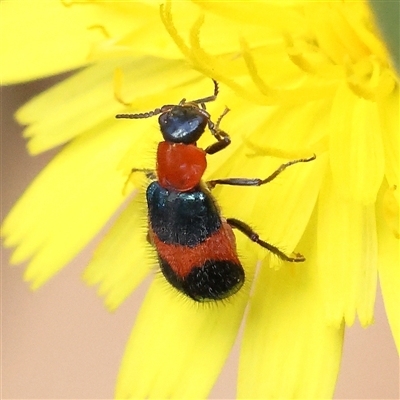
<point x="168" y="107"/>
<point x="145" y="114"/>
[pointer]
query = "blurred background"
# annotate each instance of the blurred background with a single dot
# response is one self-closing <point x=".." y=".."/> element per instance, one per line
<point x="61" y="343"/>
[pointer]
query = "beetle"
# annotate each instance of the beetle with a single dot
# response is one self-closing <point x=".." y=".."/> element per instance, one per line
<point x="196" y="246"/>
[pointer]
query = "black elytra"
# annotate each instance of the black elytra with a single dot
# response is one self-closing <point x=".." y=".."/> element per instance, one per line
<point x="182" y="218"/>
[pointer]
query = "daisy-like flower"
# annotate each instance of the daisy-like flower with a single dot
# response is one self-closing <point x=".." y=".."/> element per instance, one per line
<point x="299" y="78"/>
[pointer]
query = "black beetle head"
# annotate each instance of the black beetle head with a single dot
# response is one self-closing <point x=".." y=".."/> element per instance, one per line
<point x="183" y="123"/>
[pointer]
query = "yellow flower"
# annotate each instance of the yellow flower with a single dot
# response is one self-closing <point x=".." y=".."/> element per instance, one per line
<point x="299" y="78"/>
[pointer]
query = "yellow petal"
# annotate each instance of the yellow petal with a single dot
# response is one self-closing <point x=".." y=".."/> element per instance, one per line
<point x="389" y="110"/>
<point x="334" y="32"/>
<point x="123" y="258"/>
<point x="277" y="15"/>
<point x="69" y="201"/>
<point x="177" y="347"/>
<point x="65" y="35"/>
<point x="347" y="256"/>
<point x="357" y="157"/>
<point x="389" y="271"/>
<point x="288" y="350"/>
<point x="42" y="38"/>
<point x="295" y="130"/>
